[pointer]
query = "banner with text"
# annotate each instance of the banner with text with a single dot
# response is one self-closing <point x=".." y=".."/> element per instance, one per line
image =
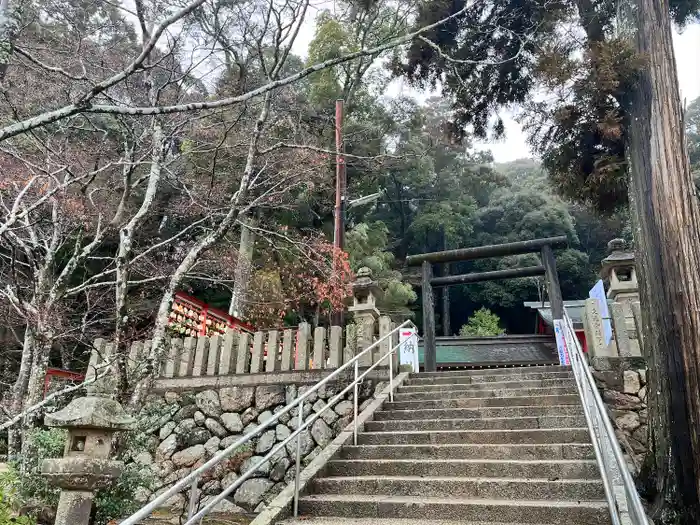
<point x="561" y="342"/>
<point x="408" y="349"/>
<point x="598" y="293"/>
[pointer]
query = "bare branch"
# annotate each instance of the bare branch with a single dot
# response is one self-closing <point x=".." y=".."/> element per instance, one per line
<point x="84" y="107"/>
<point x="24" y="413"/>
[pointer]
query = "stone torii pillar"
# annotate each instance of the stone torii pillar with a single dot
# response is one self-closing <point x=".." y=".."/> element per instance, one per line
<point x="85" y="466"/>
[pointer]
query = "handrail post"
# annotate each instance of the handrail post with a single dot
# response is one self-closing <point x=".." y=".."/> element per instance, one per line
<point x="300" y="422"/>
<point x="391" y="375"/>
<point x="193" y="498"/>
<point x="354" y="403"/>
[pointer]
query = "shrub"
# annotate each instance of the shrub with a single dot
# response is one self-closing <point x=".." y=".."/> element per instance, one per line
<point x="9" y="500"/>
<point x="482" y="323"/>
<point x="112" y="503"/>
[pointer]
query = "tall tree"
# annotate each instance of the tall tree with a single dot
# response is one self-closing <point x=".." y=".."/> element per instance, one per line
<point x="570" y="49"/>
<point x="667" y="233"/>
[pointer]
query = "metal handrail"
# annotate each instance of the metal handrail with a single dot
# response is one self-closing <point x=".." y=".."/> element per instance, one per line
<point x="192" y="479"/>
<point x="611" y="461"/>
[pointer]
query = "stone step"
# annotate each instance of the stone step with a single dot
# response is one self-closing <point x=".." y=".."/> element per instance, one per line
<point x="547" y="469"/>
<point x="480" y="379"/>
<point x="476" y="413"/>
<point x="492" y="437"/>
<point x="500" y="423"/>
<point x="489" y="510"/>
<point x="306" y="520"/>
<point x="475" y="402"/>
<point x="494" y="371"/>
<point x="567" y="451"/>
<point x="495" y="385"/>
<point x="496" y="392"/>
<point x="436" y="487"/>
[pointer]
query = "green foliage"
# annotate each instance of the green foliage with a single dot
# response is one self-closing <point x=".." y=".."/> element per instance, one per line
<point x="10" y="501"/>
<point x="366" y="245"/>
<point x="692" y="135"/>
<point x="582" y="140"/>
<point x="578" y="51"/>
<point x="112" y="503"/>
<point x="443" y="195"/>
<point x="41" y="444"/>
<point x="330" y="41"/>
<point x="482" y="323"/>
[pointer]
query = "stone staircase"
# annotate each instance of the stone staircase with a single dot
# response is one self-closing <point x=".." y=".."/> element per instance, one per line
<point x="495" y="446"/>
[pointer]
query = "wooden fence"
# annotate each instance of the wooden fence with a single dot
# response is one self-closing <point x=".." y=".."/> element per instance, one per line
<point x="242" y="353"/>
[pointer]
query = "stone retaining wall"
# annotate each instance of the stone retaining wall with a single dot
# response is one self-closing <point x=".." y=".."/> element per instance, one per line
<point x="186" y="429"/>
<point x="622" y="382"/>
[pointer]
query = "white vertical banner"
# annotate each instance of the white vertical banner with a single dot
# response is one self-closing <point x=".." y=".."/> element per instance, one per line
<point x="562" y="348"/>
<point x="408" y="349"/>
<point x="598" y="293"/>
<point x="569" y="338"/>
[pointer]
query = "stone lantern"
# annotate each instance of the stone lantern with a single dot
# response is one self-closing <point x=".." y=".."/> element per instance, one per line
<point x="85" y="466"/>
<point x="366" y="292"/>
<point x="618" y="269"/>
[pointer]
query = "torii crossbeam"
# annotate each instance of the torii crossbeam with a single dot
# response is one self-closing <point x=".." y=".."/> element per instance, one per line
<point x="547" y="268"/>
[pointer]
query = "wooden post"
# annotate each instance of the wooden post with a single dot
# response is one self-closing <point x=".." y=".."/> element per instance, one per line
<point x="227" y="356"/>
<point x="553" y="289"/>
<point x="243" y="357"/>
<point x="335" y="341"/>
<point x="200" y="357"/>
<point x="213" y="356"/>
<point x="302" y="354"/>
<point x="287" y="350"/>
<point x="272" y="351"/>
<point x="187" y="357"/>
<point x="171" y="362"/>
<point x="319" y="360"/>
<point x="257" y="356"/>
<point x="428" y="319"/>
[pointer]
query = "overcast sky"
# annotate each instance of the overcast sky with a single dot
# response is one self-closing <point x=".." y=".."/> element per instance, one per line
<point x="687" y="49"/>
<point x="514" y="145"/>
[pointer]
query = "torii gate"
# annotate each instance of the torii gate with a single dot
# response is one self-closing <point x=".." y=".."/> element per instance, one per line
<point x="547" y="268"/>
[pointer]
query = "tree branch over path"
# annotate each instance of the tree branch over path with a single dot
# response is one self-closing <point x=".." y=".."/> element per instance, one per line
<point x="29" y="410"/>
<point x="84" y="105"/>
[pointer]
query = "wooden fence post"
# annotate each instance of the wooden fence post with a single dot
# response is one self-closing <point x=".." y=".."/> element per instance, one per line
<point x="302" y="353"/>
<point x="256" y="356"/>
<point x="287" y="344"/>
<point x="335" y="342"/>
<point x="243" y="359"/>
<point x="319" y="360"/>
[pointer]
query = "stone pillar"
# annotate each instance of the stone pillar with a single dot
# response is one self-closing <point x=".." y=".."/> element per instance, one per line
<point x="593" y="327"/>
<point x="619" y="271"/>
<point x="365" y="293"/>
<point x="85" y="466"/>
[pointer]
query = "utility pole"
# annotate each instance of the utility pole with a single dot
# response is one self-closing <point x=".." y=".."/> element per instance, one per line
<point x="340" y="183"/>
